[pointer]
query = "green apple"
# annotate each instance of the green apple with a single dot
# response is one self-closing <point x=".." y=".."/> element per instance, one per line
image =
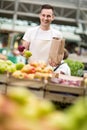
<point x="19" y="65"/>
<point x="3" y="67"/>
<point x="11" y="68"/>
<point x="27" y="53"/>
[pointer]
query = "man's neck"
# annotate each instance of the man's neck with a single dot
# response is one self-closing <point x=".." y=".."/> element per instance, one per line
<point x="44" y="27"/>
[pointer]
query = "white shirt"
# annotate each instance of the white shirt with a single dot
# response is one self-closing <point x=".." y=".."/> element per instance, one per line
<point x="40" y="42"/>
<point x="63" y="68"/>
<point x="37" y="33"/>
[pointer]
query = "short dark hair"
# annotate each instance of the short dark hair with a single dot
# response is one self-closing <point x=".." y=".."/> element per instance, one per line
<point x="47" y="6"/>
<point x="66" y="54"/>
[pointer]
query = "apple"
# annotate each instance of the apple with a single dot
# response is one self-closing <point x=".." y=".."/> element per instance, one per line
<point x="34" y="63"/>
<point x="19" y="65"/>
<point x="32" y="70"/>
<point x="18" y="74"/>
<point x="3" y="67"/>
<point x="31" y="76"/>
<point x="27" y="54"/>
<point x="11" y="68"/>
<point x="21" y="48"/>
<point x="28" y="69"/>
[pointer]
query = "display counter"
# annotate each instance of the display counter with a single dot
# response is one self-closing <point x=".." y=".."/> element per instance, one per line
<point x="64" y="93"/>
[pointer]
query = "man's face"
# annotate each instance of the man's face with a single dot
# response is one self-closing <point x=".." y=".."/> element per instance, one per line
<point x="46" y="17"/>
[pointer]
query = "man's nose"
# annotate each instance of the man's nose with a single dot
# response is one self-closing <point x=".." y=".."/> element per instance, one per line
<point x="45" y="17"/>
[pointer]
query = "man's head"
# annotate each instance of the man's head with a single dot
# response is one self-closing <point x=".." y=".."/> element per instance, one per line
<point x="47" y="6"/>
<point x="46" y="15"/>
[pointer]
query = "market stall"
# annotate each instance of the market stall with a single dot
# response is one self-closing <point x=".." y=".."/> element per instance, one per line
<point x="40" y="79"/>
<point x="55" y="90"/>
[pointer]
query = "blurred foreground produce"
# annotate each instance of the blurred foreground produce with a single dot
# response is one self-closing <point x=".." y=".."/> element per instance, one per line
<point x="21" y="110"/>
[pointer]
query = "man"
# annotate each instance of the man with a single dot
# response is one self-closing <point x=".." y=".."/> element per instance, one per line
<point x="38" y="39"/>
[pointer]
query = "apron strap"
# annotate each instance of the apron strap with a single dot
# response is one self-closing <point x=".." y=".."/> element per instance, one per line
<point x="58" y="66"/>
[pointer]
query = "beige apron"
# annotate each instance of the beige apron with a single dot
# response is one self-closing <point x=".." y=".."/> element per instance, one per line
<point x="40" y="49"/>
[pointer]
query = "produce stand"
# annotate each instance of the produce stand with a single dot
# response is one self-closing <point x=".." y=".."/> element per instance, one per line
<point x="63" y="93"/>
<point x="67" y="91"/>
<point x="52" y="91"/>
<point x="35" y="86"/>
<point x="3" y="78"/>
<point x="3" y="83"/>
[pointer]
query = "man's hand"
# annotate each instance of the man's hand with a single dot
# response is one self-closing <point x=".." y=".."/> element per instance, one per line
<point x="52" y="63"/>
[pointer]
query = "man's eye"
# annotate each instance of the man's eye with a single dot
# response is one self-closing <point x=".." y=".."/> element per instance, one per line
<point x="43" y="15"/>
<point x="48" y="16"/>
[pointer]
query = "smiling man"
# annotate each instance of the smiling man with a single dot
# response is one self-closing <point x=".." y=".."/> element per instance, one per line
<point x="38" y="39"/>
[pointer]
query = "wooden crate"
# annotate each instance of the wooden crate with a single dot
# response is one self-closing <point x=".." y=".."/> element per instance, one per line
<point x="3" y="78"/>
<point x="2" y="88"/>
<point x="35" y="86"/>
<point x="62" y="93"/>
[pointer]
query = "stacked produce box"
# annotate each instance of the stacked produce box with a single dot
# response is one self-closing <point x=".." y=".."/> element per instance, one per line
<point x="41" y="80"/>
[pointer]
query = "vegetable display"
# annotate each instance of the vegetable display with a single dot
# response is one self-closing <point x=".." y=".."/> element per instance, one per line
<point x="76" y="67"/>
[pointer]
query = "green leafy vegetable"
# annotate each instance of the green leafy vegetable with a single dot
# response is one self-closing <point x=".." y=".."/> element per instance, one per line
<point x="76" y="67"/>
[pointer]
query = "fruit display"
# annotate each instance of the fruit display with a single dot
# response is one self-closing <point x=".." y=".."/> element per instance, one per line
<point x="21" y="110"/>
<point x="38" y="76"/>
<point x="26" y="71"/>
<point x="34" y="70"/>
